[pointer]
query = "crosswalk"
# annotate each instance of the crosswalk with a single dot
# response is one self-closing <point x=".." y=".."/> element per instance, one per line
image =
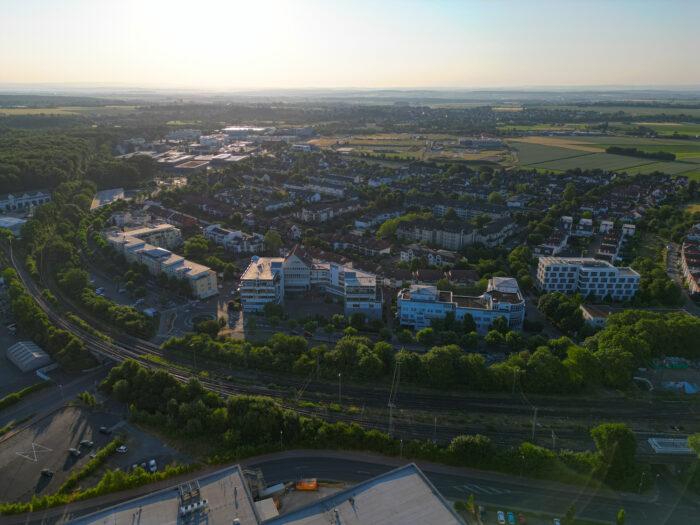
<point x="470" y="488"/>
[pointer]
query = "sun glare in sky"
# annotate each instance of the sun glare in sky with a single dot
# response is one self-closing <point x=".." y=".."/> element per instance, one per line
<point x="227" y="44"/>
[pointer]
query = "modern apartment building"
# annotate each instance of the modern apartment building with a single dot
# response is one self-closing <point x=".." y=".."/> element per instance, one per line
<point x="163" y="235"/>
<point x="235" y="241"/>
<point x="587" y="276"/>
<point x="418" y="305"/>
<point x="160" y="260"/>
<point x="270" y="279"/>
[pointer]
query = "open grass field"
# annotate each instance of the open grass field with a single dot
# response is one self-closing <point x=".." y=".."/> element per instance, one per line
<point x="559" y="154"/>
<point x="563" y="142"/>
<point x="669" y="128"/>
<point x="591" y="161"/>
<point x="530" y="153"/>
<point x="543" y="127"/>
<point x="670" y="168"/>
<point x="409" y="147"/>
<point x="67" y="110"/>
<point x="632" y="110"/>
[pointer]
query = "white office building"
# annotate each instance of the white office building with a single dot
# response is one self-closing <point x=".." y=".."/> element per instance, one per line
<point x="587" y="276"/>
<point x="418" y="305"/>
<point x="270" y="279"/>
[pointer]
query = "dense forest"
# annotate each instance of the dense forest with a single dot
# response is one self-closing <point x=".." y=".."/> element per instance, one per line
<point x="42" y="160"/>
<point x="34" y="161"/>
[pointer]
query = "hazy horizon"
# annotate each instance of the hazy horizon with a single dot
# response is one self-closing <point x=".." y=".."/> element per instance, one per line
<point x="219" y="45"/>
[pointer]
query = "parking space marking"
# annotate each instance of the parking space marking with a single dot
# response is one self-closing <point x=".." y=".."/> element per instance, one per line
<point x="33" y="456"/>
<point x="478" y="489"/>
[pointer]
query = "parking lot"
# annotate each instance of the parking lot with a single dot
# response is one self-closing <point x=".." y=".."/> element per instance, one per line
<point x="45" y="444"/>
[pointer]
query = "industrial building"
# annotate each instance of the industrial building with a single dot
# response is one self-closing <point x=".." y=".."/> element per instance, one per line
<point x="27" y="356"/>
<point x="269" y="279"/>
<point x="587" y="276"/>
<point x="418" y="305"/>
<point x="403" y="496"/>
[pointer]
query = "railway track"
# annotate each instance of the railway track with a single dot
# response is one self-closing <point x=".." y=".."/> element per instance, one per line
<point x="141" y="351"/>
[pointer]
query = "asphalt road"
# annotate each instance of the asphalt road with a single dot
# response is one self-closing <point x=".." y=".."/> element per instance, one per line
<point x="663" y="505"/>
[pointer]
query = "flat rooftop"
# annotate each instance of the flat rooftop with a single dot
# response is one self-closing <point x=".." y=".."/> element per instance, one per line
<point x="261" y="269"/>
<point x="584" y="261"/>
<point x="149" y="230"/>
<point x="467" y="301"/>
<point x="402" y="496"/>
<point x="226" y="492"/>
<point x="505" y="297"/>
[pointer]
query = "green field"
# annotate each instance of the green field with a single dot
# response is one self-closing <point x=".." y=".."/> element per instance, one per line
<point x="537" y="153"/>
<point x="670" y="168"/>
<point x="669" y="128"/>
<point x="631" y="110"/>
<point x="543" y="127"/>
<point x="67" y="110"/>
<point x="604" y="161"/>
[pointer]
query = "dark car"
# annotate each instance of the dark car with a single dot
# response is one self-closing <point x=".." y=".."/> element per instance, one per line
<point x="105" y="430"/>
<point x="47" y="472"/>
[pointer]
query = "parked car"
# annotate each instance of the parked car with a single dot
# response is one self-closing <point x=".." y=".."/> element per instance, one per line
<point x="511" y="518"/>
<point x="74" y="452"/>
<point x="105" y="430"/>
<point x="556" y="521"/>
<point x="152" y="466"/>
<point x="86" y="443"/>
<point x="122" y="449"/>
<point x="501" y="517"/>
<point x="521" y="519"/>
<point x="47" y="472"/>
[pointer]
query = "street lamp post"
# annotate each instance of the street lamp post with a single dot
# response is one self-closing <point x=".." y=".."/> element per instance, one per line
<point x="340" y="391"/>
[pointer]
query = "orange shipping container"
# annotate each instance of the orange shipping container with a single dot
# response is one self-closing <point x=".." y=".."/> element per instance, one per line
<point x="307" y="484"/>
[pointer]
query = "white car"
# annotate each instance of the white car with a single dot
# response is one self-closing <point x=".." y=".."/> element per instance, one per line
<point x="122" y="449"/>
<point x="501" y="517"/>
<point x="556" y="521"/>
<point x="152" y="467"/>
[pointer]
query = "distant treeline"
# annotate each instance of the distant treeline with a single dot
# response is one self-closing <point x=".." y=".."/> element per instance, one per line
<point x="634" y="152"/>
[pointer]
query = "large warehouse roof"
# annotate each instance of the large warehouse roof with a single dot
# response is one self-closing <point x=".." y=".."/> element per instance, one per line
<point x="403" y="496"/>
<point x="27" y="356"/>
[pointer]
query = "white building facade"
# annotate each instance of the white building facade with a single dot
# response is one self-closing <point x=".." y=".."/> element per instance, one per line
<point x="23" y="200"/>
<point x="270" y="279"/>
<point x="418" y="305"/>
<point x="234" y="240"/>
<point x="160" y="260"/>
<point x="587" y="276"/>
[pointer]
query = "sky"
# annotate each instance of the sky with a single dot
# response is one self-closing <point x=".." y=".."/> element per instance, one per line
<point x="239" y="45"/>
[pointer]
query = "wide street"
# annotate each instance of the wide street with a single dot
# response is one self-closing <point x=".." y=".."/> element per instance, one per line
<point x="662" y="505"/>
